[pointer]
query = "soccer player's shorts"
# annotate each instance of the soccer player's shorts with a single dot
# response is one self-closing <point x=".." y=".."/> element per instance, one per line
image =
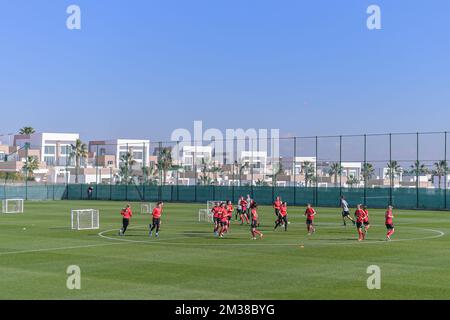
<point x="366" y="223"/>
<point x="254" y="224"/>
<point x="216" y="220"/>
<point x="390" y="226"/>
<point x="345" y="213"/>
<point x="359" y="225"/>
<point x="224" y="223"/>
<point x="239" y="211"/>
<point x="309" y="222"/>
<point x="156" y="221"/>
<point x="277" y="212"/>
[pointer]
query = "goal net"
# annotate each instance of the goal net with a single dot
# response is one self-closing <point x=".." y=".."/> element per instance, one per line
<point x="12" y="206"/>
<point x="210" y="204"/>
<point x="205" y="215"/>
<point x="85" y="219"/>
<point x="147" y="208"/>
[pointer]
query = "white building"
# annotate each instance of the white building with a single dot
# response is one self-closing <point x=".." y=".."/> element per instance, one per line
<point x="54" y="147"/>
<point x="255" y="160"/>
<point x="140" y="149"/>
<point x="300" y="162"/>
<point x="351" y="170"/>
<point x="188" y="153"/>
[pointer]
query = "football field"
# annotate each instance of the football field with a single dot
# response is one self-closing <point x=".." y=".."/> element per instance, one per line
<point x="188" y="262"/>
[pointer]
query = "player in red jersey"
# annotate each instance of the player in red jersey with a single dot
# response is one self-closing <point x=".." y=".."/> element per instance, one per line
<point x="156" y="219"/>
<point x="366" y="221"/>
<point x="126" y="213"/>
<point x="389" y="223"/>
<point x="360" y="216"/>
<point x="282" y="219"/>
<point x="224" y="219"/>
<point x="216" y="212"/>
<point x="277" y="206"/>
<point x="254" y="214"/>
<point x="230" y="210"/>
<point x="243" y="214"/>
<point x="310" y="214"/>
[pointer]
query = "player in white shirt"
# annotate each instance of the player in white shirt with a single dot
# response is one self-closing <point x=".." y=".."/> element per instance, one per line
<point x="346" y="211"/>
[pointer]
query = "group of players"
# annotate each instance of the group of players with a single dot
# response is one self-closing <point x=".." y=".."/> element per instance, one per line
<point x="362" y="222"/>
<point x="127" y="213"/>
<point x="247" y="212"/>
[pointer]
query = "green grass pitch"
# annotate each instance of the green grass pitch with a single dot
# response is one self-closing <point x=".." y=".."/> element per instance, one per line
<point x="188" y="262"/>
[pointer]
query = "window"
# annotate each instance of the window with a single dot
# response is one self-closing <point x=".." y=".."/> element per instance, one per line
<point x="122" y="154"/>
<point x="65" y="150"/>
<point x="138" y="155"/>
<point x="49" y="150"/>
<point x="50" y="161"/>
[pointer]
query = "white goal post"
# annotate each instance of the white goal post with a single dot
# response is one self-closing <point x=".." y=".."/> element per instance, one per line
<point x="205" y="215"/>
<point x="147" y="208"/>
<point x="12" y="206"/>
<point x="210" y="204"/>
<point x="85" y="219"/>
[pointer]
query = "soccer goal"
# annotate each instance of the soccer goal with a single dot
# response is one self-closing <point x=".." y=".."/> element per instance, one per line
<point x="85" y="219"/>
<point x="205" y="215"/>
<point x="147" y="208"/>
<point x="12" y="206"/>
<point x="210" y="204"/>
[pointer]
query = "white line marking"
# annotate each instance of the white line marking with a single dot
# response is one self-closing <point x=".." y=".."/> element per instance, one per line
<point x="61" y="248"/>
<point x="347" y="242"/>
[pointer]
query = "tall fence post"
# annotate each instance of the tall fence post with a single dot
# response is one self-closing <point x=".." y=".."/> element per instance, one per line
<point x="316" y="189"/>
<point x="26" y="170"/>
<point x="96" y="175"/>
<point x="194" y="167"/>
<point x="293" y="170"/>
<point x="391" y="170"/>
<point x="67" y="172"/>
<point x="340" y="166"/>
<point x="417" y="170"/>
<point x="365" y="177"/>
<point x="446" y="170"/>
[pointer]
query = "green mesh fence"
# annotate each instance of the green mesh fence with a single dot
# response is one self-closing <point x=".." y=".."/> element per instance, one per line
<point x="402" y="198"/>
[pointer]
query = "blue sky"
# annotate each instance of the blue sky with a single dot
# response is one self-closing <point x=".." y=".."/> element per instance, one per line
<point x="144" y="68"/>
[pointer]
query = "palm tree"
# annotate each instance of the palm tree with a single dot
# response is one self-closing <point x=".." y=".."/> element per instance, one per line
<point x="31" y="165"/>
<point x="27" y="130"/>
<point x="205" y="169"/>
<point x="150" y="173"/>
<point x="241" y="168"/>
<point x="440" y="170"/>
<point x="418" y="168"/>
<point x="308" y="170"/>
<point x="394" y="169"/>
<point x="78" y="152"/>
<point x="352" y="181"/>
<point x="215" y="170"/>
<point x="367" y="172"/>
<point x="335" y="170"/>
<point x="127" y="163"/>
<point x="165" y="162"/>
<point x="261" y="183"/>
<point x="277" y="170"/>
